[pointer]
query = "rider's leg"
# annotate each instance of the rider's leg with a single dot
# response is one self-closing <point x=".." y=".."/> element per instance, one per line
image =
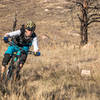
<point x="22" y="60"/>
<point x="5" y="62"/>
<point x="6" y="59"/>
<point x="23" y="55"/>
<point x="2" y="71"/>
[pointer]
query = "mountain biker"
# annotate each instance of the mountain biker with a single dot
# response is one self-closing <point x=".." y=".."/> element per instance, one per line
<point x="24" y="38"/>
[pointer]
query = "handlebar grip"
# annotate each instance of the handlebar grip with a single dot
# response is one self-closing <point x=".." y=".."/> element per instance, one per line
<point x="5" y="39"/>
<point x="34" y="53"/>
<point x="37" y="54"/>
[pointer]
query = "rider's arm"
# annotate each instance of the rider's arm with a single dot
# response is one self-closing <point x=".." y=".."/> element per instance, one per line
<point x="35" y="44"/>
<point x="14" y="33"/>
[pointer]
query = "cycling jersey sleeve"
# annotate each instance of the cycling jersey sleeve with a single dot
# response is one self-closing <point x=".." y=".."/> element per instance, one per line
<point x="35" y="44"/>
<point x="14" y="33"/>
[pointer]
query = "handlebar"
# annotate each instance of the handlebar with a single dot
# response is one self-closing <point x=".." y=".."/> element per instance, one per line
<point x="13" y="44"/>
<point x="20" y="48"/>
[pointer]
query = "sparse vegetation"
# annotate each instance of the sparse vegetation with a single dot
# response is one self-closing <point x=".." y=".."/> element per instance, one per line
<point x="89" y="14"/>
<point x="56" y="74"/>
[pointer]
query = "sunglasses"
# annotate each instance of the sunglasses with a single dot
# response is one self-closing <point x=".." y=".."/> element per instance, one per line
<point x="30" y="29"/>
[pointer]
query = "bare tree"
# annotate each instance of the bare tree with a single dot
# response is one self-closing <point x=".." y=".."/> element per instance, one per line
<point x="89" y="13"/>
<point x="15" y="22"/>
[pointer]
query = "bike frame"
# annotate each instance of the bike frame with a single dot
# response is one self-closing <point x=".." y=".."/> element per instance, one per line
<point x="15" y="61"/>
<point x="14" y="65"/>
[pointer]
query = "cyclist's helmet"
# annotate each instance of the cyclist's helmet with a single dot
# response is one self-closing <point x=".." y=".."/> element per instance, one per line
<point x="30" y="26"/>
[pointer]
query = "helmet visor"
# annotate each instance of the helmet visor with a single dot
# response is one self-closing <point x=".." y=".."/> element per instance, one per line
<point x="30" y="29"/>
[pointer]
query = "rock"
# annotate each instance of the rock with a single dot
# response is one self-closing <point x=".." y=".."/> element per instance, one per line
<point x="46" y="9"/>
<point x="85" y="73"/>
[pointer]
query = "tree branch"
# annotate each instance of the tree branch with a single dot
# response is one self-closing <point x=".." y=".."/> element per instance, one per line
<point x="15" y="22"/>
<point x="78" y="3"/>
<point x="79" y="18"/>
<point x="92" y="15"/>
<point x="92" y="21"/>
<point x="94" y="7"/>
<point x="95" y="18"/>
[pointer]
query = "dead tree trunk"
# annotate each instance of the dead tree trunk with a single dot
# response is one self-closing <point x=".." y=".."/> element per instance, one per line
<point x="86" y="19"/>
<point x="14" y="23"/>
<point x="84" y="26"/>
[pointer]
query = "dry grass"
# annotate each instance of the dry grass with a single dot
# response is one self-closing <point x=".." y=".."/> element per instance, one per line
<point x="56" y="74"/>
<point x="58" y="77"/>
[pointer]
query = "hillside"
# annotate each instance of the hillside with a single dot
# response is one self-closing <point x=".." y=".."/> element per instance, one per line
<point x="56" y="74"/>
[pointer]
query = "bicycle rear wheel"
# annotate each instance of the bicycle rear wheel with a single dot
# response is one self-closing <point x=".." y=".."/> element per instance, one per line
<point x="10" y="70"/>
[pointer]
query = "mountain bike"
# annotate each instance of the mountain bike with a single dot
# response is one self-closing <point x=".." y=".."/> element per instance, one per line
<point x="13" y="70"/>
